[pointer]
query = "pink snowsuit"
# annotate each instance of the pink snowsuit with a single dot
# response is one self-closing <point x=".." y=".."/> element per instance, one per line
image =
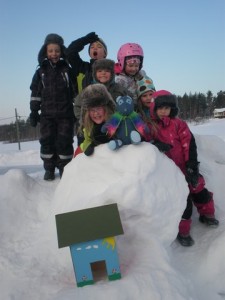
<point x="176" y="132"/>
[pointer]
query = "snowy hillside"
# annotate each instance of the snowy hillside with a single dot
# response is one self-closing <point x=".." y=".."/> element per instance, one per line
<point x="150" y="192"/>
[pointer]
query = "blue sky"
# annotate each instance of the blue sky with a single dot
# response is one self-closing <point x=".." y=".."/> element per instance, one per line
<point x="183" y="41"/>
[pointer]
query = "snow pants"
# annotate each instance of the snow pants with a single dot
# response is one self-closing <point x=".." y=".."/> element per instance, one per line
<point x="56" y="139"/>
<point x="203" y="201"/>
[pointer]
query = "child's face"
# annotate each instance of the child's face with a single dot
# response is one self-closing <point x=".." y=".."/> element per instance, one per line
<point x="97" y="51"/>
<point x="97" y="114"/>
<point x="53" y="52"/>
<point x="103" y="75"/>
<point x="131" y="68"/>
<point x="146" y="98"/>
<point x="163" y="111"/>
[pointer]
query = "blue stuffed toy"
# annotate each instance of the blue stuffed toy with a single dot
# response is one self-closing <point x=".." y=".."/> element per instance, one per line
<point x="125" y="126"/>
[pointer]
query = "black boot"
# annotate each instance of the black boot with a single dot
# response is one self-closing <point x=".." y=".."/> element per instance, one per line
<point x="185" y="241"/>
<point x="209" y="221"/>
<point x="49" y="175"/>
<point x="61" y="173"/>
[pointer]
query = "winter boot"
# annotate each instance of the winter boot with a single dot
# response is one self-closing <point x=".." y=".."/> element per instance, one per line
<point x="210" y="221"/>
<point x="49" y="175"/>
<point x="185" y="241"/>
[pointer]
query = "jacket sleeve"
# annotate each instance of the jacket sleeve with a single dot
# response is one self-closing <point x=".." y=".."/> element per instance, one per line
<point x="87" y="140"/>
<point x="73" y="84"/>
<point x="77" y="107"/>
<point x="185" y="138"/>
<point x="36" y="90"/>
<point x="72" y="54"/>
<point x="193" y="155"/>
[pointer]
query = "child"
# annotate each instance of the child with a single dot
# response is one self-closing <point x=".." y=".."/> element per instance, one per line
<point x="145" y="89"/>
<point x="97" y="107"/>
<point x="82" y="69"/>
<point x="130" y="60"/>
<point x="174" y="131"/>
<point x="52" y="93"/>
<point x="103" y="72"/>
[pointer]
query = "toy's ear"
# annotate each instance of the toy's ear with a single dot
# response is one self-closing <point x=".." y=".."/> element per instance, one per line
<point x="118" y="99"/>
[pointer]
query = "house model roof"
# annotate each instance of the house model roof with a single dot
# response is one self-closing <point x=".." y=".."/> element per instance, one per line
<point x="88" y="224"/>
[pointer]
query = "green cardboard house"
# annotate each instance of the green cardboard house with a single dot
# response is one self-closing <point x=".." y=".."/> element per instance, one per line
<point x="90" y="234"/>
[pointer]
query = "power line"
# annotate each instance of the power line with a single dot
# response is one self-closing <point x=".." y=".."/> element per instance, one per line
<point x="3" y="119"/>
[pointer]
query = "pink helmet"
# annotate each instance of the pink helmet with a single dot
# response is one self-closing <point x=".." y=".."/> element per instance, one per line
<point x="129" y="49"/>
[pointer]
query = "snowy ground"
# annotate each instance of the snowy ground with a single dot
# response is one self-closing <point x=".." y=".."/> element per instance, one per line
<point x="150" y="192"/>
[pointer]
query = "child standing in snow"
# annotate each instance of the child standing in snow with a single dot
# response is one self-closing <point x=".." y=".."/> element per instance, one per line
<point x="130" y="61"/>
<point x="83" y="69"/>
<point x="174" y="131"/>
<point x="52" y="93"/>
<point x="97" y="107"/>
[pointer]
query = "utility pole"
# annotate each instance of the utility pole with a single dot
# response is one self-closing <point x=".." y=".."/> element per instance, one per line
<point x="17" y="129"/>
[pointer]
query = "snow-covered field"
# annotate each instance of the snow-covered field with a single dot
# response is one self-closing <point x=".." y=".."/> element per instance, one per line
<point x="150" y="192"/>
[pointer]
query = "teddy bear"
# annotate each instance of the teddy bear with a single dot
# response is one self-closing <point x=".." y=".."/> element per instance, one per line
<point x="125" y="126"/>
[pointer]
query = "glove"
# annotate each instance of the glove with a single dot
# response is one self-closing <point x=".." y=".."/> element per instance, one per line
<point x="90" y="150"/>
<point x="163" y="147"/>
<point x="34" y="118"/>
<point x="192" y="173"/>
<point x="91" y="37"/>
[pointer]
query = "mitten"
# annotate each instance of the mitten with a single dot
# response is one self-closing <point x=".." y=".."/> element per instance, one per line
<point x="192" y="172"/>
<point x="163" y="147"/>
<point x="91" y="37"/>
<point x="90" y="150"/>
<point x="34" y="118"/>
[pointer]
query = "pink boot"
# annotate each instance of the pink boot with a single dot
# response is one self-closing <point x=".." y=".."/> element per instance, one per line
<point x="183" y="236"/>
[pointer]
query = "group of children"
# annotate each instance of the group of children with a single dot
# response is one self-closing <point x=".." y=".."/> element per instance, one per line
<point x="71" y="92"/>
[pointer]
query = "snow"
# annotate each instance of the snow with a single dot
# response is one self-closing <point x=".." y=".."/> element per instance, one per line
<point x="151" y="195"/>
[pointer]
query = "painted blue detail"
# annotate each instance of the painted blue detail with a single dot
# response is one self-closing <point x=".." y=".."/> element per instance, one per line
<point x="83" y="254"/>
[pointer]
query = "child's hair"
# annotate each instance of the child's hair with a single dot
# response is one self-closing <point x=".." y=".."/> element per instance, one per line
<point x="103" y="64"/>
<point x="130" y="50"/>
<point x="165" y="98"/>
<point x="51" y="38"/>
<point x="92" y="96"/>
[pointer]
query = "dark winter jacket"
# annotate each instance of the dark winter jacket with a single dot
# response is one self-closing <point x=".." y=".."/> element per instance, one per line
<point x="52" y="91"/>
<point x="82" y="70"/>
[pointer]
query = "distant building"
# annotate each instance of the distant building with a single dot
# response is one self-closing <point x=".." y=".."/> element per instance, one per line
<point x="219" y="113"/>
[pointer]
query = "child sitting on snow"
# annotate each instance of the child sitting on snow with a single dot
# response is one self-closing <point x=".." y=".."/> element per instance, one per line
<point x="97" y="107"/>
<point x="174" y="131"/>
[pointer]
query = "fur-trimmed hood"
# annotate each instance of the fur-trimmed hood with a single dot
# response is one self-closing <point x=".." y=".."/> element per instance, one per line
<point x="51" y="38"/>
<point x="95" y="95"/>
<point x="103" y="64"/>
<point x="165" y="98"/>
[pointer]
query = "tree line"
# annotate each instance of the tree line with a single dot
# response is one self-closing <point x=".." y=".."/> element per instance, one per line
<point x="193" y="107"/>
